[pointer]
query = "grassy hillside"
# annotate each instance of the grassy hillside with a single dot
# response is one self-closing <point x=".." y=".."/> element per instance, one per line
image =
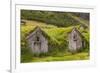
<point x="57" y="26"/>
<point x="57" y="42"/>
<point x="60" y="19"/>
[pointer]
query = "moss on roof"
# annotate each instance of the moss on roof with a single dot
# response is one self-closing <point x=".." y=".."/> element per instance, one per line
<point x="75" y="29"/>
<point x="43" y="32"/>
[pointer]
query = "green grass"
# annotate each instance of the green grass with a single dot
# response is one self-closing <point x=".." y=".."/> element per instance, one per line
<point x="58" y="34"/>
<point x="57" y="42"/>
<point x="80" y="20"/>
<point x="66" y="57"/>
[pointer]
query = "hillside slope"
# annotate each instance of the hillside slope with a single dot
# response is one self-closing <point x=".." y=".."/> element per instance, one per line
<point x="57" y="34"/>
<point x="58" y="45"/>
<point x="60" y="19"/>
<point x="82" y="22"/>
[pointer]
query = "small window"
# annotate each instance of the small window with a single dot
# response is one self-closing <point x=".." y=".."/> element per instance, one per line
<point x="75" y="37"/>
<point x="37" y="38"/>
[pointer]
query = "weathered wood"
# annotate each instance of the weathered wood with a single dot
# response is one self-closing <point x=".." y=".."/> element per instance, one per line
<point x="37" y="41"/>
<point x="76" y="43"/>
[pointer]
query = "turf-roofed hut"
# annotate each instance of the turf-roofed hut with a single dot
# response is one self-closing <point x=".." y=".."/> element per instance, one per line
<point x="76" y="41"/>
<point x="38" y="40"/>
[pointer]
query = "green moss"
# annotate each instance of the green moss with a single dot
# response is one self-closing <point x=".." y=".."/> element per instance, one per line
<point x="65" y="57"/>
<point x="57" y="42"/>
